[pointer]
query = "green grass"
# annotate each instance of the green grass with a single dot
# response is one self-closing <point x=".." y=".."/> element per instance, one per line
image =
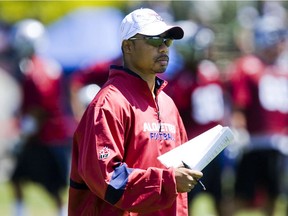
<point x="39" y="203"/>
<point x="203" y="205"/>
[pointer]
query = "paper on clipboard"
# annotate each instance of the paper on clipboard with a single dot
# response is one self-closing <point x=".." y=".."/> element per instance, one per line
<point x="201" y="150"/>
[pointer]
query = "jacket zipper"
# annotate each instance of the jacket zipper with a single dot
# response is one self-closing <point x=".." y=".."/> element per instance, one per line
<point x="158" y="113"/>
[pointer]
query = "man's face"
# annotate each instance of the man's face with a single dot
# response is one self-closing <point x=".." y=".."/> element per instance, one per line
<point x="149" y="55"/>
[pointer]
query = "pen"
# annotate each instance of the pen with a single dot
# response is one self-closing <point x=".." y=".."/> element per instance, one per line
<point x="199" y="181"/>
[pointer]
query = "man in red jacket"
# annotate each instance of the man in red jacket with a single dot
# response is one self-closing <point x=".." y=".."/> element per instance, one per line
<point x="46" y="129"/>
<point x="259" y="86"/>
<point x="129" y="123"/>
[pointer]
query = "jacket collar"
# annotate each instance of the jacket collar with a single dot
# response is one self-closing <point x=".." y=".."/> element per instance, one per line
<point x="159" y="83"/>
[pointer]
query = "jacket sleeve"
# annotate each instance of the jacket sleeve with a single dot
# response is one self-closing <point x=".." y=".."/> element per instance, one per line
<point x="101" y="165"/>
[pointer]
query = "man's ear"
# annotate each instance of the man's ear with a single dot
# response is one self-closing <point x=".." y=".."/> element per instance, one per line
<point x="126" y="46"/>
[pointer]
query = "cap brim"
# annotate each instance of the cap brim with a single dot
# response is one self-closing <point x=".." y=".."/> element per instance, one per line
<point x="174" y="32"/>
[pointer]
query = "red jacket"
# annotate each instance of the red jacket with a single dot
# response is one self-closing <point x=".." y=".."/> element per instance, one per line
<point x="115" y="170"/>
<point x="42" y="91"/>
<point x="260" y="90"/>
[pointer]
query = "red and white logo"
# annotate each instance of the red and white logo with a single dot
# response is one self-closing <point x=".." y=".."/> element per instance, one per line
<point x="104" y="153"/>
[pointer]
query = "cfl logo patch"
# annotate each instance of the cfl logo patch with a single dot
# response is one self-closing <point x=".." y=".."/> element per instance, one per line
<point x="104" y="153"/>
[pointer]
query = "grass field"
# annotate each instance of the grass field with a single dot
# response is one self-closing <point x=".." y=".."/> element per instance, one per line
<point x="40" y="204"/>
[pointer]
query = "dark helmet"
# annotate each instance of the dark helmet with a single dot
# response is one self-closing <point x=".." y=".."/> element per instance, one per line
<point x="196" y="38"/>
<point x="27" y="36"/>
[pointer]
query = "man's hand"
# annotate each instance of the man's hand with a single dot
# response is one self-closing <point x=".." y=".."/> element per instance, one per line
<point x="186" y="179"/>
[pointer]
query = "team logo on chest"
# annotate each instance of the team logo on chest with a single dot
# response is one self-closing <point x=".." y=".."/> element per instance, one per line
<point x="162" y="131"/>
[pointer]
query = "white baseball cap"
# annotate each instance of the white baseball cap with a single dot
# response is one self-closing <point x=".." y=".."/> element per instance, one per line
<point x="147" y="22"/>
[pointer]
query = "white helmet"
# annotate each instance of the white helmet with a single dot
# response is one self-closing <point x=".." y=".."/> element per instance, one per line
<point x="27" y="37"/>
<point x="269" y="31"/>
